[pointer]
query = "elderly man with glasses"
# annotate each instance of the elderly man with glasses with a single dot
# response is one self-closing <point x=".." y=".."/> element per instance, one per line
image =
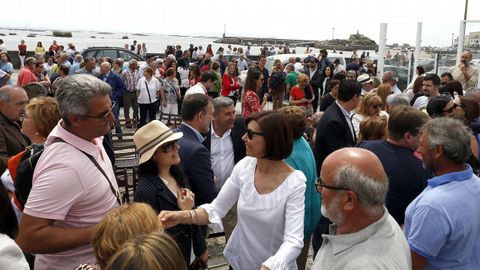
<point x="364" y="235"/>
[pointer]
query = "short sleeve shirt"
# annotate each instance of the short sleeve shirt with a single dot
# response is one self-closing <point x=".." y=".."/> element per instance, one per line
<point x="69" y="189"/>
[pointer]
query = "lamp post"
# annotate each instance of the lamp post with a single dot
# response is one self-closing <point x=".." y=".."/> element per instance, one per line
<point x="333" y="32"/>
<point x="453" y="34"/>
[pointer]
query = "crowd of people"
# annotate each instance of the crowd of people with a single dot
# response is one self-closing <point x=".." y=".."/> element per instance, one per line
<point x="370" y="175"/>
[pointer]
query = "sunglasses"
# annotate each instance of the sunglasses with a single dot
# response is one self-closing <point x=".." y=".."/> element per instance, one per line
<point x="377" y="106"/>
<point x="451" y="109"/>
<point x="105" y="116"/>
<point x="168" y="147"/>
<point x="250" y="134"/>
<point x="319" y="184"/>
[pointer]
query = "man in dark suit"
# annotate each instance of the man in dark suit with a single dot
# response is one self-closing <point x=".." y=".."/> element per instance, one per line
<point x="315" y="76"/>
<point x="118" y="90"/>
<point x="13" y="100"/>
<point x="197" y="114"/>
<point x="335" y="131"/>
<point x="226" y="147"/>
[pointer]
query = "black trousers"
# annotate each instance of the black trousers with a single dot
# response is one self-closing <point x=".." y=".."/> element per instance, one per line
<point x="144" y="109"/>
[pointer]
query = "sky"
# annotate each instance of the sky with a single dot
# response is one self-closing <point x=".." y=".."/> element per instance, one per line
<point x="298" y="19"/>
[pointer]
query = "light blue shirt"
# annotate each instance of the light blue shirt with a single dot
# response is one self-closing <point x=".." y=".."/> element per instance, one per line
<point x="443" y="223"/>
<point x="8" y="68"/>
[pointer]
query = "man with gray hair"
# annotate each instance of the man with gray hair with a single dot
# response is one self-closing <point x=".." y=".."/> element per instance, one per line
<point x="465" y="73"/>
<point x="390" y="77"/>
<point x="224" y="141"/>
<point x="89" y="67"/>
<point x="73" y="186"/>
<point x="130" y="77"/>
<point x="118" y="90"/>
<point x="13" y="100"/>
<point x="364" y="235"/>
<point x="442" y="224"/>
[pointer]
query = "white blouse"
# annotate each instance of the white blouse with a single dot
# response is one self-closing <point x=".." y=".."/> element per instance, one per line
<point x="269" y="229"/>
<point x="153" y="87"/>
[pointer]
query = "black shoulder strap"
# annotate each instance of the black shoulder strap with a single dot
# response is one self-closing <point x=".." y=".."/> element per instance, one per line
<point x="115" y="192"/>
<point x="148" y="92"/>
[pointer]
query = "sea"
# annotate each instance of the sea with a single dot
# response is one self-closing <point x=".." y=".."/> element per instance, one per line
<point x="155" y="43"/>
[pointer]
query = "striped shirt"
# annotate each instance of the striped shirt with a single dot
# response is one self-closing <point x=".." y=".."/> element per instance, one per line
<point x="130" y="79"/>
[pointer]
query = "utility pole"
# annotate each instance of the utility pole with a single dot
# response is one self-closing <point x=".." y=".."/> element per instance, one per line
<point x="333" y="32"/>
<point x="466" y="9"/>
<point x="453" y="34"/>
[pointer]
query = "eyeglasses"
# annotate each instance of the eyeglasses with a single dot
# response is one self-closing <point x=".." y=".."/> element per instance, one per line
<point x="450" y="110"/>
<point x="168" y="147"/>
<point x="250" y="134"/>
<point x="377" y="106"/>
<point x="105" y="116"/>
<point x="261" y="79"/>
<point x="319" y="183"/>
<point x="455" y="105"/>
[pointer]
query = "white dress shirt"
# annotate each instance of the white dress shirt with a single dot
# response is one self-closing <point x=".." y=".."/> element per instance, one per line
<point x="221" y="151"/>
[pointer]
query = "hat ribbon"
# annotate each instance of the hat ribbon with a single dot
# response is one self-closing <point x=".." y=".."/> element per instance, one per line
<point x="155" y="141"/>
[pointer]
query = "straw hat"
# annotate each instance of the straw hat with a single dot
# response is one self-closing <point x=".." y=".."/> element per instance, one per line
<point x="151" y="136"/>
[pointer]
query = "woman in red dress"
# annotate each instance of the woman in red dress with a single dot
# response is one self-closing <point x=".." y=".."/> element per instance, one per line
<point x="250" y="99"/>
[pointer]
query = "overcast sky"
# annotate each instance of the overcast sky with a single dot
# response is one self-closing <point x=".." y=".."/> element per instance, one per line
<point x="302" y="19"/>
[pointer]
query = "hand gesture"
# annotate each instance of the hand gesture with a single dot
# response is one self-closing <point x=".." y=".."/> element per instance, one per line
<point x="170" y="219"/>
<point x="185" y="199"/>
<point x="201" y="261"/>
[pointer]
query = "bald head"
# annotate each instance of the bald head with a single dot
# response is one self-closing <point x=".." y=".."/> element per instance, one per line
<point x="363" y="160"/>
<point x="13" y="100"/>
<point x="360" y="173"/>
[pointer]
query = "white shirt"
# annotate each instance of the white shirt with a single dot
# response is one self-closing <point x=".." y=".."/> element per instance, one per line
<point x="421" y="103"/>
<point x="396" y="90"/>
<point x="347" y="118"/>
<point x="223" y="161"/>
<point x="153" y="87"/>
<point x="196" y="89"/>
<point x="242" y="64"/>
<point x="184" y="77"/>
<point x="11" y="256"/>
<point x="269" y="229"/>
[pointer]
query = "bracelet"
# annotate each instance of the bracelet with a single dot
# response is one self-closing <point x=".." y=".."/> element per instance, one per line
<point x="191" y="215"/>
<point x="194" y="216"/>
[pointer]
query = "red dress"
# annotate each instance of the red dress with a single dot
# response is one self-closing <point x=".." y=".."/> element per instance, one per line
<point x="250" y="103"/>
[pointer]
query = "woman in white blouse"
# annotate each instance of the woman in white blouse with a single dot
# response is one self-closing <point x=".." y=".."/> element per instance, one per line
<point x="269" y="196"/>
<point x="148" y="88"/>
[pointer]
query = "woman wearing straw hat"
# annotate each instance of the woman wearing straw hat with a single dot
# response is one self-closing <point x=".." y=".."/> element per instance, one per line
<point x="162" y="184"/>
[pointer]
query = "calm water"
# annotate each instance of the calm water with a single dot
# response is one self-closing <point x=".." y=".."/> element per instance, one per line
<point x="82" y="40"/>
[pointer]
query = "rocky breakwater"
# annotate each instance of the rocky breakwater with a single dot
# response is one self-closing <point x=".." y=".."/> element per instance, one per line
<point x="354" y="42"/>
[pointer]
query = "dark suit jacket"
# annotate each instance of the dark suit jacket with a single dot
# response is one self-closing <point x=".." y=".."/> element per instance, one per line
<point x="315" y="82"/>
<point x="197" y="166"/>
<point x="12" y="141"/>
<point x="238" y="131"/>
<point x="153" y="191"/>
<point x="118" y="86"/>
<point x="333" y="133"/>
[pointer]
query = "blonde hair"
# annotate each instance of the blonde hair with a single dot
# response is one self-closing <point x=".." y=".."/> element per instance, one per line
<point x="119" y="225"/>
<point x="274" y="67"/>
<point x="383" y="91"/>
<point x="45" y="114"/>
<point x="156" y="250"/>
<point x="302" y="78"/>
<point x="370" y="99"/>
<point x="373" y="128"/>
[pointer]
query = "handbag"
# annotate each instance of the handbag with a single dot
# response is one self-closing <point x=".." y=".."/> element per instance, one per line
<point x="155" y="104"/>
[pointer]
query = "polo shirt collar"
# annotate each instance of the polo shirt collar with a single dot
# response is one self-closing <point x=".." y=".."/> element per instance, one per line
<point x="343" y="242"/>
<point x="72" y="139"/>
<point x="450" y="177"/>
